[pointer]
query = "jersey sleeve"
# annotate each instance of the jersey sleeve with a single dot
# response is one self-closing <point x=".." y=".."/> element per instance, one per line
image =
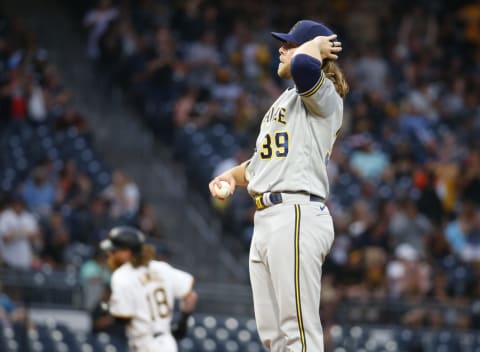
<point x="182" y="282"/>
<point x="315" y="89"/>
<point x="121" y="301"/>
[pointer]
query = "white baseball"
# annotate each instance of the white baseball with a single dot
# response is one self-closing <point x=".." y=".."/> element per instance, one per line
<point x="224" y="190"/>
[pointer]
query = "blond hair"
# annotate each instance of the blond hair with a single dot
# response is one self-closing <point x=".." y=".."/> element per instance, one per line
<point x="335" y="74"/>
<point x="147" y="253"/>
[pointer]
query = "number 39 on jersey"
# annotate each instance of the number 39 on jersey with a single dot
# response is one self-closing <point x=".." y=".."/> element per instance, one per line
<point x="275" y="145"/>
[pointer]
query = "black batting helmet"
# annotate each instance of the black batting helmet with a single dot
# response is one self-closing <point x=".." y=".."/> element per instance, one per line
<point x="123" y="237"/>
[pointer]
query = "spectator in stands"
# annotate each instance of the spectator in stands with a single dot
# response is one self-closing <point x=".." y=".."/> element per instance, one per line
<point x="469" y="182"/>
<point x="16" y="89"/>
<point x="160" y="65"/>
<point x="89" y="224"/>
<point x="39" y="192"/>
<point x="95" y="276"/>
<point x="469" y="14"/>
<point x="74" y="189"/>
<point x="71" y="117"/>
<point x="123" y="195"/>
<point x="429" y="202"/>
<point x="371" y="70"/>
<point x="66" y="180"/>
<point x="37" y="109"/>
<point x="407" y="225"/>
<point x="227" y="91"/>
<point x="361" y="220"/>
<point x="56" y="240"/>
<point x="20" y="236"/>
<point x="437" y="246"/>
<point x="147" y="220"/>
<point x="203" y="58"/>
<point x="407" y="275"/>
<point x="462" y="233"/>
<point x="97" y="21"/>
<point x="11" y="313"/>
<point x="57" y="97"/>
<point x="367" y="159"/>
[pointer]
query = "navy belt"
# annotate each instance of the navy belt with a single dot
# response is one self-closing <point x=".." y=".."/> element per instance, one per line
<point x="268" y="199"/>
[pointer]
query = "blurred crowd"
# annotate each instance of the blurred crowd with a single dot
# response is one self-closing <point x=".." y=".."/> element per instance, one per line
<point x="405" y="172"/>
<point x="56" y="204"/>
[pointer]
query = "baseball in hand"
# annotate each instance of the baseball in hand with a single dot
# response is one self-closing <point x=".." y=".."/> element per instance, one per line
<point x="224" y="190"/>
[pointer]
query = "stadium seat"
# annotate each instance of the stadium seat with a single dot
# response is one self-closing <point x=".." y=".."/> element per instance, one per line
<point x="187" y="345"/>
<point x="222" y="334"/>
<point x="45" y="338"/>
<point x="253" y="346"/>
<point x="244" y="336"/>
<point x="86" y="347"/>
<point x="231" y="324"/>
<point x="210" y="324"/>
<point x="209" y="345"/>
<point x="199" y="333"/>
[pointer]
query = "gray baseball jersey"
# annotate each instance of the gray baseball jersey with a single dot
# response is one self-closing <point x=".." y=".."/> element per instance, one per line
<point x="292" y="238"/>
<point x="295" y="141"/>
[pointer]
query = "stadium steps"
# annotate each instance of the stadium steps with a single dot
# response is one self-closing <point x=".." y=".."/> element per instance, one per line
<point x="126" y="143"/>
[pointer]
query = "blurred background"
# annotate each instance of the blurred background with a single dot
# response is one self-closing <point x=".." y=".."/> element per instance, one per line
<point x="120" y="112"/>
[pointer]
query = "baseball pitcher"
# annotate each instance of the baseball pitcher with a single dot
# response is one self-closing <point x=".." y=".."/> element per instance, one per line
<point x="144" y="291"/>
<point x="287" y="179"/>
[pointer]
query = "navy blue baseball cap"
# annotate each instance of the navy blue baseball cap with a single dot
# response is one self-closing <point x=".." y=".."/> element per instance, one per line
<point x="303" y="31"/>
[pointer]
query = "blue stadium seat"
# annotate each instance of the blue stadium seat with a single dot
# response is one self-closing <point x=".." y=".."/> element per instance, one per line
<point x="187" y="345"/>
<point x="53" y="154"/>
<point x="45" y="338"/>
<point x="42" y="131"/>
<point x="46" y="143"/>
<point x="92" y="342"/>
<point x="251" y="325"/>
<point x="3" y="338"/>
<point x="209" y="345"/>
<point x="199" y="333"/>
<point x="336" y="332"/>
<point x="254" y="346"/>
<point x="243" y="336"/>
<point x="87" y="347"/>
<point x="231" y="346"/>
<point x="69" y="338"/>
<point x="222" y="334"/>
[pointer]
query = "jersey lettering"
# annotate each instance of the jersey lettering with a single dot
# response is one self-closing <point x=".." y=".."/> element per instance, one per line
<point x="266" y="152"/>
<point x="149" y="277"/>
<point x="278" y="114"/>
<point x="278" y="145"/>
<point x="281" y="142"/>
<point x="282" y="114"/>
<point x="158" y="303"/>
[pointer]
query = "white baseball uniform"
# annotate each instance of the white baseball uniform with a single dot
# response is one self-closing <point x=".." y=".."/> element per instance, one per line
<point x="146" y="295"/>
<point x="293" y="231"/>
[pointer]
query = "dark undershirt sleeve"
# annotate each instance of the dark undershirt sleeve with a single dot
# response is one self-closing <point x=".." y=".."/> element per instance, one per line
<point x="122" y="321"/>
<point x="306" y="72"/>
